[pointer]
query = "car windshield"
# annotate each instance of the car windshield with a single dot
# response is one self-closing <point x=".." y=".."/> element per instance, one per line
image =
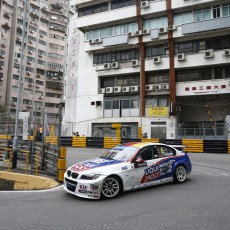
<point x="122" y="153"/>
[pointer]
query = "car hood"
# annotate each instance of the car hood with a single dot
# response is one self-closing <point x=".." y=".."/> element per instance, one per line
<point x="96" y="163"/>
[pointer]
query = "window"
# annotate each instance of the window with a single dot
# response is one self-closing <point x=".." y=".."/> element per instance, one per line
<point x="121" y="3"/>
<point x="92" y="9"/>
<point x="163" y="151"/>
<point x="155" y="51"/>
<point x="146" y="154"/>
<point x="216" y="12"/>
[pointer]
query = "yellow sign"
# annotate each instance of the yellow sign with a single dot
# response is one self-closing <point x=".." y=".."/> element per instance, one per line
<point x="158" y="112"/>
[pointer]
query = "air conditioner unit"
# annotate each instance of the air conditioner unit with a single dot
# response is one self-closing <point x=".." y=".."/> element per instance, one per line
<point x="178" y="108"/>
<point x="172" y="27"/>
<point x="1" y="66"/>
<point x="3" y="45"/>
<point x="139" y="32"/>
<point x="208" y="54"/>
<point x="91" y="41"/>
<point x="28" y="72"/>
<point x="117" y="89"/>
<point x="181" y="57"/>
<point x="30" y="51"/>
<point x="101" y="90"/>
<point x="2" y="55"/>
<point x="19" y="27"/>
<point x="107" y="66"/>
<point x="157" y="87"/>
<point x="165" y="87"/>
<point x="41" y="35"/>
<point x="29" y="106"/>
<point x="30" y="84"/>
<point x="99" y="68"/>
<point x="38" y="75"/>
<point x="61" y="70"/>
<point x="41" y="97"/>
<point x="40" y="55"/>
<point x="157" y="60"/>
<point x="125" y="89"/>
<point x="148" y="87"/>
<point x="29" y="62"/>
<point x="131" y="34"/>
<point x="30" y="41"/>
<point x="144" y="4"/>
<point x="109" y="89"/>
<point x="39" y="108"/>
<point x="135" y="88"/>
<point x="14" y="103"/>
<point x="146" y="32"/>
<point x="226" y="52"/>
<point x="135" y="63"/>
<point x="97" y="40"/>
<point x="115" y="65"/>
<point x="162" y="30"/>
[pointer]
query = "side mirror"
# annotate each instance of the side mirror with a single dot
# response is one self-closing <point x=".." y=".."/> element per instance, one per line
<point x="139" y="160"/>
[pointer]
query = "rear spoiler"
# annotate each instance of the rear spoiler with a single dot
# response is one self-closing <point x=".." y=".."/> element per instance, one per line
<point x="179" y="147"/>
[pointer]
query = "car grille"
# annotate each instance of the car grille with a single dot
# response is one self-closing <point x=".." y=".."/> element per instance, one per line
<point x="72" y="174"/>
<point x="70" y="187"/>
<point x="70" y="181"/>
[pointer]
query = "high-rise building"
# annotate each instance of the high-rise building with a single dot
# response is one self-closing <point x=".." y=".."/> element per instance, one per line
<point x="160" y="67"/>
<point x="44" y="54"/>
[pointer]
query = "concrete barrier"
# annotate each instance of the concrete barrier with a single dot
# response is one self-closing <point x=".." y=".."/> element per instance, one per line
<point x="16" y="181"/>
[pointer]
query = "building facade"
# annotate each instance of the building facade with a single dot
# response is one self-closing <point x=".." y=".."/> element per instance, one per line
<point x="43" y="25"/>
<point x="159" y="68"/>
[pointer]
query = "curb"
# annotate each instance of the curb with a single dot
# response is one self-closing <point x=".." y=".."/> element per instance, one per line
<point x="16" y="181"/>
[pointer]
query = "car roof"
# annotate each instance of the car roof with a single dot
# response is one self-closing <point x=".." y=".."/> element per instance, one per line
<point x="142" y="144"/>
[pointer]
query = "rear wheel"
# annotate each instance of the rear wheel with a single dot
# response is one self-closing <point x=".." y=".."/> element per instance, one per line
<point x="111" y="187"/>
<point x="180" y="174"/>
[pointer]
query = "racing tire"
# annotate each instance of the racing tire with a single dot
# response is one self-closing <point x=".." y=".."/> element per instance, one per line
<point x="180" y="174"/>
<point x="111" y="187"/>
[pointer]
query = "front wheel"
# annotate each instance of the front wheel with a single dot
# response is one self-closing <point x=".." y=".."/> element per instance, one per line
<point x="111" y="187"/>
<point x="180" y="174"/>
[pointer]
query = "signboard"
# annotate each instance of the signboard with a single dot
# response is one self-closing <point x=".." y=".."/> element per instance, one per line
<point x="202" y="87"/>
<point x="25" y="117"/>
<point x="158" y="111"/>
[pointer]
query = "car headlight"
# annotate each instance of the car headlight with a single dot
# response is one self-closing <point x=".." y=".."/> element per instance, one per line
<point x="90" y="176"/>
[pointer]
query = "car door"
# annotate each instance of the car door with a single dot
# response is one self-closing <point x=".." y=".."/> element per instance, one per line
<point x="156" y="166"/>
<point x="142" y="162"/>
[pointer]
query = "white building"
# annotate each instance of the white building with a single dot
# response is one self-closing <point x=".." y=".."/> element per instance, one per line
<point x="160" y="67"/>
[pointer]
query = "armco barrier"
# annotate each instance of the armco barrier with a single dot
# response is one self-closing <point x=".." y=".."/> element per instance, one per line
<point x="156" y="140"/>
<point x="110" y="142"/>
<point x="79" y="142"/>
<point x="229" y="146"/>
<point x="171" y="141"/>
<point x="193" y="145"/>
<point x="61" y="164"/>
<point x="96" y="142"/>
<point x="212" y="146"/>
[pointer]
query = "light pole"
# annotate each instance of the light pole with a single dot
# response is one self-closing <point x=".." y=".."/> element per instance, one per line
<point x="15" y="140"/>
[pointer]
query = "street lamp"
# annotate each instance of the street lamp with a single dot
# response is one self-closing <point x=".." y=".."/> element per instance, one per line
<point x="15" y="140"/>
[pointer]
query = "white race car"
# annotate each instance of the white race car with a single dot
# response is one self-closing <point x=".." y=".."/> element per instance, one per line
<point x="126" y="167"/>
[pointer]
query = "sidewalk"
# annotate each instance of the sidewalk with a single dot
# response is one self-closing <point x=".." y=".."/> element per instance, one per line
<point x="17" y="179"/>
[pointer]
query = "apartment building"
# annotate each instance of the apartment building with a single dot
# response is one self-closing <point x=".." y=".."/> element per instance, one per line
<point x="159" y="67"/>
<point x="43" y="25"/>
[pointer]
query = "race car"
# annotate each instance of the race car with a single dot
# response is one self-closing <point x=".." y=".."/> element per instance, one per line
<point x="127" y="167"/>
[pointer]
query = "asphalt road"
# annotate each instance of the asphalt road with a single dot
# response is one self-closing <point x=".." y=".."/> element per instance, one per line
<point x="201" y="203"/>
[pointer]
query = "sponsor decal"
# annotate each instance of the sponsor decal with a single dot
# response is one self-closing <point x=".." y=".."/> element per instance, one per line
<point x="138" y="165"/>
<point x="94" y="187"/>
<point x="90" y="164"/>
<point x="124" y="168"/>
<point x="157" y="171"/>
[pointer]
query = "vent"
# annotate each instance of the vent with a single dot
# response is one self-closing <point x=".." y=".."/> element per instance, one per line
<point x="135" y="88"/>
<point x="107" y="66"/>
<point x="148" y="87"/>
<point x="125" y="89"/>
<point x="157" y="60"/>
<point x="139" y="32"/>
<point x="181" y="57"/>
<point x="146" y="32"/>
<point x="117" y="89"/>
<point x="172" y="27"/>
<point x="165" y="87"/>
<point x="135" y="63"/>
<point x="115" y="65"/>
<point x="131" y="34"/>
<point x="162" y="30"/>
<point x="157" y="87"/>
<point x="101" y="90"/>
<point x="226" y="52"/>
<point x="97" y="40"/>
<point x="144" y="4"/>
<point x="109" y="89"/>
<point x="208" y="54"/>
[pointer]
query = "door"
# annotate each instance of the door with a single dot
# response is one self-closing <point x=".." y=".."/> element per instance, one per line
<point x="158" y="132"/>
